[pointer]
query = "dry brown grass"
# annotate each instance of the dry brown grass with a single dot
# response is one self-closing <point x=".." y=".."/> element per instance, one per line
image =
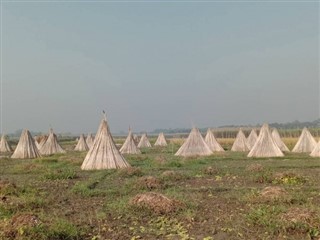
<point x="273" y="193"/>
<point x="298" y="214"/>
<point x="156" y="202"/>
<point x="255" y="167"/>
<point x="148" y="182"/>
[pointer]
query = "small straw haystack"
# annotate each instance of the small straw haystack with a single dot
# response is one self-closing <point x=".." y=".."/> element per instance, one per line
<point x="265" y="146"/>
<point x="240" y="144"/>
<point x="103" y="154"/>
<point x="136" y="138"/>
<point x="51" y="146"/>
<point x="279" y="142"/>
<point x="252" y="138"/>
<point x="81" y="145"/>
<point x="26" y="147"/>
<point x="4" y="145"/>
<point x="306" y="142"/>
<point x="212" y="142"/>
<point x="161" y="140"/>
<point x="144" y="142"/>
<point x="194" y="145"/>
<point x="129" y="146"/>
<point x="316" y="151"/>
<point x="89" y="140"/>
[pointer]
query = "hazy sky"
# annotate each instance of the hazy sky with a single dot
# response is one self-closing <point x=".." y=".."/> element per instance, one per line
<point x="158" y="65"/>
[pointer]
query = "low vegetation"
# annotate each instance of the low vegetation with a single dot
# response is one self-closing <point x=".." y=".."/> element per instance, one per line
<point x="223" y="196"/>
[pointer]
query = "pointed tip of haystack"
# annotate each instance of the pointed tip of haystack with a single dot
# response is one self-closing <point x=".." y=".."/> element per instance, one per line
<point x="26" y="147"/>
<point x="265" y="146"/>
<point x="306" y="142"/>
<point x="212" y="142"/>
<point x="240" y="144"/>
<point x="103" y="154"/>
<point x="194" y="145"/>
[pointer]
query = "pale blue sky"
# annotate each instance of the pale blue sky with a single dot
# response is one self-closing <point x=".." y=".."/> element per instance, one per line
<point x="158" y="65"/>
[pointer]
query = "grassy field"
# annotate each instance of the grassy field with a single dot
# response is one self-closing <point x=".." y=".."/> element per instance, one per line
<point x="218" y="197"/>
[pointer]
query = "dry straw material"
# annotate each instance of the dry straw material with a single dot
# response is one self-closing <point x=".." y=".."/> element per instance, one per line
<point x="103" y="154"/>
<point x="240" y="144"/>
<point x="42" y="140"/>
<point x="89" y="140"/>
<point x="252" y="138"/>
<point x="4" y="145"/>
<point x="81" y="145"/>
<point x="51" y="146"/>
<point x="144" y="142"/>
<point x="212" y="142"/>
<point x="265" y="146"/>
<point x="279" y="142"/>
<point x="306" y="142"/>
<point x="161" y="140"/>
<point x="194" y="145"/>
<point x="129" y="146"/>
<point x="316" y="151"/>
<point x="26" y="147"/>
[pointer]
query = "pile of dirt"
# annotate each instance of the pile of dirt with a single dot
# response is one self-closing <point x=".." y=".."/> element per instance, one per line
<point x="161" y="159"/>
<point x="148" y="182"/>
<point x="255" y="167"/>
<point x="210" y="170"/>
<point x="7" y="188"/>
<point x="296" y="214"/>
<point x="156" y="202"/>
<point x="20" y="222"/>
<point x="274" y="193"/>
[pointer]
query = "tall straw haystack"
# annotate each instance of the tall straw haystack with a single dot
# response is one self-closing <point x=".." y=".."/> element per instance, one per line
<point x="279" y="142"/>
<point x="252" y="138"/>
<point x="144" y="142"/>
<point x="212" y="142"/>
<point x="104" y="154"/>
<point x="194" y="145"/>
<point x="265" y="146"/>
<point x="51" y="146"/>
<point x="306" y="142"/>
<point x="41" y="141"/>
<point x="81" y="145"/>
<point x="4" y="145"/>
<point x="240" y="144"/>
<point x="26" y="147"/>
<point x="129" y="146"/>
<point x="161" y="140"/>
<point x="316" y="151"/>
<point x="89" y="140"/>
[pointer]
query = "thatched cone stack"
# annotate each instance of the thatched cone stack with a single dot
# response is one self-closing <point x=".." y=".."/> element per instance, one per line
<point x="81" y="145"/>
<point x="161" y="140"/>
<point x="252" y="138"/>
<point x="306" y="142"/>
<point x="144" y="142"/>
<point x="240" y="144"/>
<point x="194" y="145"/>
<point x="265" y="146"/>
<point x="26" y="147"/>
<point x="4" y="145"/>
<point x="136" y="139"/>
<point x="212" y="142"/>
<point x="279" y="142"/>
<point x="316" y="151"/>
<point x="42" y="140"/>
<point x="89" y="140"/>
<point x="129" y="146"/>
<point x="103" y="154"/>
<point x="51" y="146"/>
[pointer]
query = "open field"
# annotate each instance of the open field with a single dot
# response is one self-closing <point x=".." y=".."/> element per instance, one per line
<point x="217" y="197"/>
